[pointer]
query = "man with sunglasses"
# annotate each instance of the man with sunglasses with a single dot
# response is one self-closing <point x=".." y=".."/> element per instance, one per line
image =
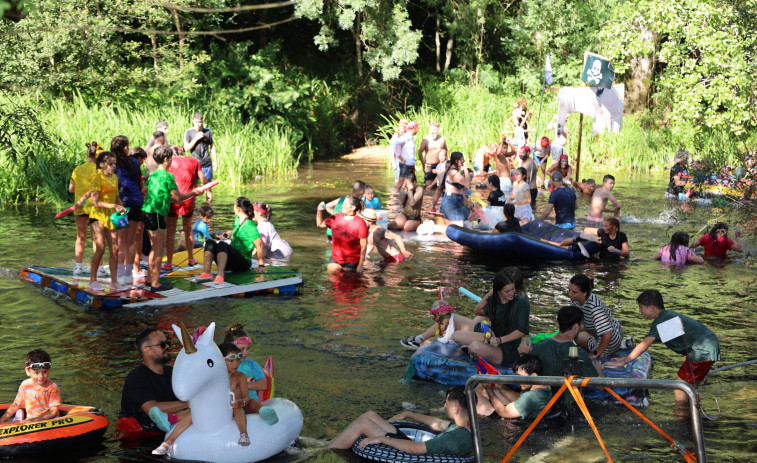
<point x="39" y="396"/>
<point x="147" y="394"/>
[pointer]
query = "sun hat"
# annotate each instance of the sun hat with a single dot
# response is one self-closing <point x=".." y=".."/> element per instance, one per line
<point x="441" y="306"/>
<point x="681" y="155"/>
<point x="368" y="214"/>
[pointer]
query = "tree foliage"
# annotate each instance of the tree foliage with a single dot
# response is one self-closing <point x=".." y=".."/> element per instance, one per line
<point x="706" y="76"/>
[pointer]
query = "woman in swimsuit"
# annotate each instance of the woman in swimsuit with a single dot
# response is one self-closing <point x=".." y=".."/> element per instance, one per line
<point x="454" y="205"/>
<point x="521" y="197"/>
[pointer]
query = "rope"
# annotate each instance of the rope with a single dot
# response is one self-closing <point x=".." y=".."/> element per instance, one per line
<point x="582" y="406"/>
<point x="684" y="451"/>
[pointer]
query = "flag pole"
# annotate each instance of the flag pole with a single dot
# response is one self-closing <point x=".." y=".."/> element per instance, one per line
<point x="538" y="118"/>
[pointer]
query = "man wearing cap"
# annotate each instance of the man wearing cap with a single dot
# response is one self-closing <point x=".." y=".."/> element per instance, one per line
<point x="404" y="153"/>
<point x="428" y="153"/>
<point x="528" y="163"/>
<point x="199" y="140"/>
<point x="541" y="152"/>
<point x="564" y="202"/>
<point x="401" y="126"/>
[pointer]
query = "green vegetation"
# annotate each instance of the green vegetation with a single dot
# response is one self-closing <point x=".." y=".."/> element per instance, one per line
<point x="280" y="82"/>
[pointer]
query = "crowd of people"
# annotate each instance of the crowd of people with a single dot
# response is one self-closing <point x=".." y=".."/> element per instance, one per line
<point x="113" y="182"/>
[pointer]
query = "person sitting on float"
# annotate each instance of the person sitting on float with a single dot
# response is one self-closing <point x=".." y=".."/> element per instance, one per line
<point x="677" y="251"/>
<point x="454" y="436"/>
<point x="717" y="244"/>
<point x="613" y="242"/>
<point x="508" y="313"/>
<point x="507" y="403"/>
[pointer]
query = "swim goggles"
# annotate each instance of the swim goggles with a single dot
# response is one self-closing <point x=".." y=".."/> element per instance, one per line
<point x="232" y="357"/>
<point x="243" y="340"/>
<point x="41" y="366"/>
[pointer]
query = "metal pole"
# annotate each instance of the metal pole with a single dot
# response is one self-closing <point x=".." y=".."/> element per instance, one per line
<point x="557" y="381"/>
<point x="578" y="151"/>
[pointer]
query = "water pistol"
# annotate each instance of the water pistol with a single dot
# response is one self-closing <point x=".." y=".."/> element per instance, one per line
<point x="486" y="328"/>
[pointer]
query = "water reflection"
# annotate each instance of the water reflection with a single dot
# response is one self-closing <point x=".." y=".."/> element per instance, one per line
<point x="336" y="345"/>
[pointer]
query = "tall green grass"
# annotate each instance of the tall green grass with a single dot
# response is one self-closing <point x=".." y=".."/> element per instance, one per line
<point x="247" y="151"/>
<point x="471" y="117"/>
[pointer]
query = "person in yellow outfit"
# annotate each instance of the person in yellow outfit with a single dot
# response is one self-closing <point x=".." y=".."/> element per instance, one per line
<point x="105" y="199"/>
<point x="80" y="184"/>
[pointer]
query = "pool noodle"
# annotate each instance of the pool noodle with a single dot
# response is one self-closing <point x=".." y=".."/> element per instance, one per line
<point x="208" y="185"/>
<point x="65" y="211"/>
<point x="465" y="292"/>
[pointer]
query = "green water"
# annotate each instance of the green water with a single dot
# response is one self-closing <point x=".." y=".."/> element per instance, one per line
<point x="336" y="345"/>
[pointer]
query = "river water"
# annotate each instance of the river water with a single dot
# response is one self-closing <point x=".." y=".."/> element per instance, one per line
<point x="336" y="345"/>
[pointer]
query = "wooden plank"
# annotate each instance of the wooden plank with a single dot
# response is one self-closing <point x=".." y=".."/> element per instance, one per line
<point x="217" y="292"/>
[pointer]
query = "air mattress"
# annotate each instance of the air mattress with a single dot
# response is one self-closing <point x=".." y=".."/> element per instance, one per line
<point x="526" y="245"/>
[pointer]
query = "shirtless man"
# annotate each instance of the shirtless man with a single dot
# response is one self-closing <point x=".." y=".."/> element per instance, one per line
<point x="527" y="162"/>
<point x="159" y="139"/>
<point x="600" y="198"/>
<point x="383" y="240"/>
<point x="483" y="158"/>
<point x="585" y="187"/>
<point x="428" y="153"/>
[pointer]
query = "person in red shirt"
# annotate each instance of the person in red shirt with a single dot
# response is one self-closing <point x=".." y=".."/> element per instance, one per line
<point x="186" y="170"/>
<point x="717" y="244"/>
<point x="349" y="236"/>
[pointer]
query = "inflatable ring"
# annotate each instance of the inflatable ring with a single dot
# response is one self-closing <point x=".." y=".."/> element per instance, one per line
<point x="417" y="433"/>
<point x="76" y="427"/>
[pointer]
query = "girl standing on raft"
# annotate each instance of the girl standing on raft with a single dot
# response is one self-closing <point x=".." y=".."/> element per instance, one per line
<point x="274" y="246"/>
<point x="235" y="256"/>
<point x="80" y="185"/>
<point x="349" y="236"/>
<point x="130" y="192"/>
<point x="104" y="199"/>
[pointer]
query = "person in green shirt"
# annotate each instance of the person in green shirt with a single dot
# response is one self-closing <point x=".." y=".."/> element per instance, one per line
<point x="698" y="343"/>
<point x="161" y="192"/>
<point x="454" y="436"/>
<point x="507" y="403"/>
<point x="237" y="255"/>
<point x="508" y="313"/>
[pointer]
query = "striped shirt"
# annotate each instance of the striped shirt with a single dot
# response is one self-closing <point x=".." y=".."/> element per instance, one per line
<point x="598" y="320"/>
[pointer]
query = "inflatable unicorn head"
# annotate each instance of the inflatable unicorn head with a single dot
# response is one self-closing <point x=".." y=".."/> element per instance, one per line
<point x="200" y="377"/>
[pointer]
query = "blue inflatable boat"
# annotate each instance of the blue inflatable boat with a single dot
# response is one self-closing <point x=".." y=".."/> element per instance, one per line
<point x="448" y="364"/>
<point x="526" y="245"/>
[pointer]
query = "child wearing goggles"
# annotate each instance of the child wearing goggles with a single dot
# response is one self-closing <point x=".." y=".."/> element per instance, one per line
<point x="38" y="396"/>
<point x="257" y="380"/>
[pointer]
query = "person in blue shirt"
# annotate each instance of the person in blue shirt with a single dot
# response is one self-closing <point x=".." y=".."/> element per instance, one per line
<point x="369" y="199"/>
<point x="200" y="229"/>
<point x="564" y="202"/>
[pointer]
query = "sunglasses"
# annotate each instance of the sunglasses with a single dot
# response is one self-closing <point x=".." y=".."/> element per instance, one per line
<point x="243" y="340"/>
<point x="41" y="366"/>
<point x="162" y="344"/>
<point x="232" y="357"/>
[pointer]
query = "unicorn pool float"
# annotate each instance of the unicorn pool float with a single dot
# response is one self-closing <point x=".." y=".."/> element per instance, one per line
<point x="200" y="377"/>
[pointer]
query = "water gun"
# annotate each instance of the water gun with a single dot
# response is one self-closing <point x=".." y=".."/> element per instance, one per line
<point x="486" y="328"/>
<point x="539" y="337"/>
<point x="485" y="368"/>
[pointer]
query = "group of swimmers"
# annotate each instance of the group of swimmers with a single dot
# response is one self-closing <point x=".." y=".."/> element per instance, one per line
<point x="112" y="181"/>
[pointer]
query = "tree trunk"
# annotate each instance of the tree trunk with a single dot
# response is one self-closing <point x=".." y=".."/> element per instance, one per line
<point x="438" y="46"/>
<point x="448" y="53"/>
<point x="154" y="43"/>
<point x="358" y="48"/>
<point x="182" y="38"/>
<point x="640" y="76"/>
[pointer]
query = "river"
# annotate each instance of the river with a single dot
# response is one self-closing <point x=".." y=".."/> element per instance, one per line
<point x="336" y="345"/>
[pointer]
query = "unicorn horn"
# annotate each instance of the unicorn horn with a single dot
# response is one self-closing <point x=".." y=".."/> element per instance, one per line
<point x="186" y="339"/>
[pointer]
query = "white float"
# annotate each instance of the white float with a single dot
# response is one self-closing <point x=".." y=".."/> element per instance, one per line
<point x="200" y="377"/>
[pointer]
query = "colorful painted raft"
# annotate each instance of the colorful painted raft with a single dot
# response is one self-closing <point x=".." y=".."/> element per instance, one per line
<point x="448" y="364"/>
<point x="187" y="289"/>
<point x="526" y="245"/>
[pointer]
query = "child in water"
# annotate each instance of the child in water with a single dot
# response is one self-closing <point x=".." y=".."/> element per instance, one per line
<point x="238" y="387"/>
<point x="38" y="396"/>
<point x="369" y="199"/>
<point x="256" y="379"/>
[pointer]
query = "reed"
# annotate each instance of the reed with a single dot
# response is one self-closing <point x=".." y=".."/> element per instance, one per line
<point x="49" y="141"/>
<point x="471" y="117"/>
